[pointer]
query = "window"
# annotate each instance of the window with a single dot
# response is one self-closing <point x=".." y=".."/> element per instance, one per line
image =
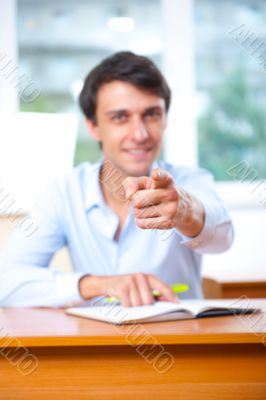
<point x="213" y="54"/>
<point x="230" y="61"/>
<point x="59" y="42"/>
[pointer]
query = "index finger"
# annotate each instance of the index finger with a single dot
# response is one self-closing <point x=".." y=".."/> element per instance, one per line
<point x="160" y="179"/>
<point x="164" y="289"/>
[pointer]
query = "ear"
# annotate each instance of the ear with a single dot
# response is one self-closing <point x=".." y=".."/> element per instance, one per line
<point x="92" y="129"/>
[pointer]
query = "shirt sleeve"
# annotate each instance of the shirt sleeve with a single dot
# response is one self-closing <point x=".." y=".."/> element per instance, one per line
<point x="26" y="280"/>
<point x="217" y="233"/>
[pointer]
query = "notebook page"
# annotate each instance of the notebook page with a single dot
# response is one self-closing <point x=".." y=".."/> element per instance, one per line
<point x="197" y="306"/>
<point x="118" y="314"/>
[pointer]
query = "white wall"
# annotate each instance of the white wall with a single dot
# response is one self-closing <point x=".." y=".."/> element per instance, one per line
<point x="247" y="257"/>
<point x="179" y="68"/>
<point x="8" y="56"/>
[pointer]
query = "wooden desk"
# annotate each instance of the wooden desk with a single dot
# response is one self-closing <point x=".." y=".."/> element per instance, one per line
<point x="235" y="286"/>
<point x="251" y="289"/>
<point x="215" y="358"/>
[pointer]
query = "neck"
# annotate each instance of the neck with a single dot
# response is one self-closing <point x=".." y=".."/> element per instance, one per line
<point x="111" y="179"/>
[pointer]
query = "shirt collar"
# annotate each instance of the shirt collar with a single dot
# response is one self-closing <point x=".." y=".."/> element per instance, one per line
<point x="93" y="193"/>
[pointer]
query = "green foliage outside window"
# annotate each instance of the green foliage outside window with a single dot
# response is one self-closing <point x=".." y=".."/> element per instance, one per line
<point x="87" y="150"/>
<point x="233" y="129"/>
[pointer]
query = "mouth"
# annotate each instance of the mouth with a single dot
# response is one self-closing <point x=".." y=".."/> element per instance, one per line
<point x="139" y="154"/>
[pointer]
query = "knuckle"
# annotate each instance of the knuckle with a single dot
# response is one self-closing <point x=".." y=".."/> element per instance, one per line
<point x="125" y="302"/>
<point x="139" y="212"/>
<point x="171" y="210"/>
<point x="146" y="302"/>
<point x="136" y="200"/>
<point x="168" y="292"/>
<point x="143" y="214"/>
<point x="131" y="279"/>
<point x="167" y="224"/>
<point x="140" y="275"/>
<point x="154" y="211"/>
<point x="141" y="223"/>
<point x="123" y="289"/>
<point x="171" y="194"/>
<point x="171" y="225"/>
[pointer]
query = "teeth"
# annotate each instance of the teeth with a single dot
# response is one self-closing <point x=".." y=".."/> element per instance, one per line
<point x="137" y="151"/>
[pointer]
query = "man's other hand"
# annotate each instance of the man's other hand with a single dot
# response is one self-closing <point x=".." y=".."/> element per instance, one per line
<point x="131" y="289"/>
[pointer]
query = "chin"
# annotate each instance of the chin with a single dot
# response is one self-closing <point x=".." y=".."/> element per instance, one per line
<point x="138" y="171"/>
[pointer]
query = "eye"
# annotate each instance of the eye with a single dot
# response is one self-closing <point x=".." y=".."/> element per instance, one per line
<point x="119" y="117"/>
<point x="153" y="113"/>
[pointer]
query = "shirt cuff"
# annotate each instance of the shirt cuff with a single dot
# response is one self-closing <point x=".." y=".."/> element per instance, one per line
<point x="67" y="289"/>
<point x="207" y="233"/>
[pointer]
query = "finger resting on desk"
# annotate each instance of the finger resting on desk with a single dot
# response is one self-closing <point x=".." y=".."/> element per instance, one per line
<point x="164" y="289"/>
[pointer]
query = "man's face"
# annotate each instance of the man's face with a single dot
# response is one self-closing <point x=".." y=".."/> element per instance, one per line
<point x="130" y="126"/>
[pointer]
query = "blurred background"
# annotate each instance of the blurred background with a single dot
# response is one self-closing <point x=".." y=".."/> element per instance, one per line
<point x="213" y="54"/>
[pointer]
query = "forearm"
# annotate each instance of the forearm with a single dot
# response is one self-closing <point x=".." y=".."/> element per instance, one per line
<point x="201" y="218"/>
<point x="33" y="286"/>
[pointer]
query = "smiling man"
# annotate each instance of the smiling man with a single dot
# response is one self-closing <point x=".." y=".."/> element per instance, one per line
<point x="132" y="224"/>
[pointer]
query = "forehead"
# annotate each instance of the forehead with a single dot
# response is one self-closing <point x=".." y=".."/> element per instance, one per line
<point x="123" y="95"/>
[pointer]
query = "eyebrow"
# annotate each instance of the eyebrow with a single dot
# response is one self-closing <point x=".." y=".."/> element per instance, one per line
<point x="124" y="110"/>
<point x="116" y="111"/>
<point x="154" y="108"/>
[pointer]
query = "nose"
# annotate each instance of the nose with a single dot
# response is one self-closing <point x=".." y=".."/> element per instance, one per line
<point x="139" y="130"/>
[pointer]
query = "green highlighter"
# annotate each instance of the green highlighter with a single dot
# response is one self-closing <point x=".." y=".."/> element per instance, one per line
<point x="176" y="288"/>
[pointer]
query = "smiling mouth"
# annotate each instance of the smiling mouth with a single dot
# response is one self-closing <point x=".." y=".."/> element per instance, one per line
<point x="138" y="152"/>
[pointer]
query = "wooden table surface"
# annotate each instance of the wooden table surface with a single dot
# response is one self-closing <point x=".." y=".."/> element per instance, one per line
<point x="212" y="358"/>
<point x="52" y="327"/>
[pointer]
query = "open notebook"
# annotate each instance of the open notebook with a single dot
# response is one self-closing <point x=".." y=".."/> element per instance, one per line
<point x="161" y="311"/>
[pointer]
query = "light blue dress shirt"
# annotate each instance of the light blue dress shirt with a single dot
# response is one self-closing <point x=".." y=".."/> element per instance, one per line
<point x="73" y="213"/>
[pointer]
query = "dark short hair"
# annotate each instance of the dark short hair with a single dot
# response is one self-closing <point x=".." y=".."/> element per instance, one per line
<point x="123" y="66"/>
